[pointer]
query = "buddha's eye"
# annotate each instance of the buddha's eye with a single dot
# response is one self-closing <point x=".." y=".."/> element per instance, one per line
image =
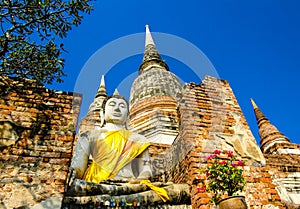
<point x="122" y="105"/>
<point x="112" y="103"/>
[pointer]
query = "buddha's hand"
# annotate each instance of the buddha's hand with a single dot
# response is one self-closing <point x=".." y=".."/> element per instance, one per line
<point x="144" y="175"/>
<point x="134" y="181"/>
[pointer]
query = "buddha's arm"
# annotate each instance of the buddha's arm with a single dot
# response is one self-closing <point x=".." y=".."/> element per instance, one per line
<point x="81" y="155"/>
<point x="143" y="160"/>
<point x="144" y="165"/>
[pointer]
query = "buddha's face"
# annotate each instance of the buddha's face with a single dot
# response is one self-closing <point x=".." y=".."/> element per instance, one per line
<point x="116" y="111"/>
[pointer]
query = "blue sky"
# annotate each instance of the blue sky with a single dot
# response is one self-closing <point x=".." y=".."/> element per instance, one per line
<point x="255" y="45"/>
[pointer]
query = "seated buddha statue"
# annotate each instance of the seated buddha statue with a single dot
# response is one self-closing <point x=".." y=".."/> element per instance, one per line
<point x="120" y="166"/>
<point x="112" y="148"/>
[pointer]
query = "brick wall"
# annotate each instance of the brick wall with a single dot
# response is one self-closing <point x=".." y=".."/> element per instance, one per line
<point x="36" y="147"/>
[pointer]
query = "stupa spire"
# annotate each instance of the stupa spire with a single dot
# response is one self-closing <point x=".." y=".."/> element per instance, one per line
<point x="151" y="55"/>
<point x="148" y="39"/>
<point x="268" y="133"/>
<point x="102" y="89"/>
<point x="253" y="103"/>
<point x="260" y="117"/>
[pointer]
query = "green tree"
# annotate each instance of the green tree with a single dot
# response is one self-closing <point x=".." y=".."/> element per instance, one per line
<point x="32" y="32"/>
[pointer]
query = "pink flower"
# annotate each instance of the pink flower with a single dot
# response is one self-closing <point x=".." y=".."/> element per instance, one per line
<point x="218" y="152"/>
<point x="201" y="189"/>
<point x="233" y="164"/>
<point x="240" y="163"/>
<point x="211" y="157"/>
<point x="230" y="153"/>
<point x="207" y="174"/>
<point x="223" y="162"/>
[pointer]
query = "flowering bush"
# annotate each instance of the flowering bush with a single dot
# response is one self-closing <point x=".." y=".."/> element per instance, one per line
<point x="223" y="175"/>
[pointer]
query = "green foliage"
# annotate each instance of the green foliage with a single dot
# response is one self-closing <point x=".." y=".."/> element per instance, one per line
<point x="224" y="174"/>
<point x="29" y="28"/>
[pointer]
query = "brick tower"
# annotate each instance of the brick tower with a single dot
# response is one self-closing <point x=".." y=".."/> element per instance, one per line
<point x="269" y="134"/>
<point x="282" y="159"/>
<point x="153" y="97"/>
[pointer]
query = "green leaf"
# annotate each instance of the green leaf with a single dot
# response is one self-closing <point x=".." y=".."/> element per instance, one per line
<point x="26" y="20"/>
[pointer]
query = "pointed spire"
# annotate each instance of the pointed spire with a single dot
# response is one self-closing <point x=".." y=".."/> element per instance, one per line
<point x="253" y="103"/>
<point x="102" y="89"/>
<point x="260" y="117"/>
<point x="268" y="133"/>
<point x="151" y="55"/>
<point x="148" y="39"/>
<point x="116" y="93"/>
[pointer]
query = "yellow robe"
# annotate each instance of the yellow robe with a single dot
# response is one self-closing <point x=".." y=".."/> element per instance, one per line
<point x="111" y="153"/>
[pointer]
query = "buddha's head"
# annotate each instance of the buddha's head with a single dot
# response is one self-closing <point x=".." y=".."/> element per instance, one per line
<point x="116" y="110"/>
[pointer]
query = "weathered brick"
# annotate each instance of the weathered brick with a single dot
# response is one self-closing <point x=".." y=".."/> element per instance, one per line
<point x="59" y="161"/>
<point x="50" y="154"/>
<point x="271" y="191"/>
<point x="276" y="197"/>
<point x="66" y="155"/>
<point x="204" y="207"/>
<point x="5" y="112"/>
<point x="265" y="180"/>
<point x="60" y="181"/>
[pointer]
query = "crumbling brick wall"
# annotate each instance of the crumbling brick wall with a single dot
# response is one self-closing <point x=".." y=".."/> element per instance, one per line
<point x="210" y="118"/>
<point x="37" y="128"/>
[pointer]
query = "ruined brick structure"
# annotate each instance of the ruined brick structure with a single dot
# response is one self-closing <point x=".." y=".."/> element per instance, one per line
<point x="37" y="128"/>
<point x="183" y="123"/>
<point x="218" y="123"/>
<point x="187" y="123"/>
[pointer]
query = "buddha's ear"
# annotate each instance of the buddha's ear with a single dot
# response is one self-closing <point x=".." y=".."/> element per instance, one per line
<point x="126" y="122"/>
<point x="101" y="117"/>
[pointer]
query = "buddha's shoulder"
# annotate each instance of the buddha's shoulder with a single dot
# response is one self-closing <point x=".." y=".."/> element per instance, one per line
<point x="92" y="133"/>
<point x="137" y="137"/>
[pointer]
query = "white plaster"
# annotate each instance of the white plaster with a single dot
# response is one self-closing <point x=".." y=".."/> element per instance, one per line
<point x="162" y="139"/>
<point x="289" y="188"/>
<point x="288" y="151"/>
<point x="242" y="140"/>
<point x="276" y="141"/>
<point x="270" y="206"/>
<point x="295" y="198"/>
